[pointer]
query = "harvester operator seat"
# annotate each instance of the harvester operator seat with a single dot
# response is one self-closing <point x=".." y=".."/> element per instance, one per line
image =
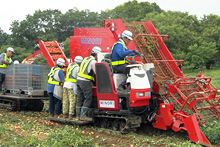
<point x="107" y="60"/>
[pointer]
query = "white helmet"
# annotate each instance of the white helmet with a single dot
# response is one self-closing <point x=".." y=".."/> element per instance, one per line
<point x="78" y="59"/>
<point x="10" y="49"/>
<point x="127" y="34"/>
<point x="60" y="62"/>
<point x="96" y="49"/>
<point x="16" y="62"/>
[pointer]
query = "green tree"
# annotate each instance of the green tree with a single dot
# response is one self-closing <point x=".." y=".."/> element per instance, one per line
<point x="180" y="27"/>
<point x="188" y="36"/>
<point x="183" y="31"/>
<point x="211" y="33"/>
<point x="66" y="48"/>
<point x="42" y="25"/>
<point x="201" y="55"/>
<point x="133" y="11"/>
<point x="75" y="18"/>
<point x="4" y="38"/>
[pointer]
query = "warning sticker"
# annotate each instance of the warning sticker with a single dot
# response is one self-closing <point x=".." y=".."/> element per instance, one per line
<point x="107" y="104"/>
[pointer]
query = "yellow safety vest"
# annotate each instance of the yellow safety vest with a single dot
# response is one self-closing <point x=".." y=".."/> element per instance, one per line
<point x="82" y="70"/>
<point x="5" y="59"/>
<point x="120" y="61"/>
<point x="69" y="71"/>
<point x="51" y="74"/>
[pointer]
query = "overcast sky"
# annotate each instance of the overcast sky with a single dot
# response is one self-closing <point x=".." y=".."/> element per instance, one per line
<point x="17" y="9"/>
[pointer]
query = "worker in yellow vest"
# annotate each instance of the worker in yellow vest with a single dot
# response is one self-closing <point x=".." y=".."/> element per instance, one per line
<point x="70" y="88"/>
<point x="85" y="76"/>
<point x="54" y="88"/>
<point x="118" y="53"/>
<point x="5" y="60"/>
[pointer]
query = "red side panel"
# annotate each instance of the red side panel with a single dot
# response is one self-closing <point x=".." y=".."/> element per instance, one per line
<point x="107" y="97"/>
<point x="164" y="118"/>
<point x="137" y="101"/>
<point x="85" y="39"/>
<point x="108" y="101"/>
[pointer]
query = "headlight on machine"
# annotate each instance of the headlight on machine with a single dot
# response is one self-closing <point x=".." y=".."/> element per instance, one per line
<point x="140" y="94"/>
<point x="147" y="93"/>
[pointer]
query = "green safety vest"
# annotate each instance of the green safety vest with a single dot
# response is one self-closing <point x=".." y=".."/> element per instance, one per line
<point x="51" y="74"/>
<point x="120" y="61"/>
<point x="5" y="59"/>
<point x="82" y="70"/>
<point x="69" y="71"/>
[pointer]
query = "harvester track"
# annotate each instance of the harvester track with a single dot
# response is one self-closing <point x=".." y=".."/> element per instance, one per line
<point x="18" y="103"/>
<point x="122" y="124"/>
<point x="118" y="123"/>
<point x="12" y="105"/>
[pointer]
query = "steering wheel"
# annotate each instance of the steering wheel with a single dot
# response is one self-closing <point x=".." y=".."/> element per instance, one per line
<point x="130" y="58"/>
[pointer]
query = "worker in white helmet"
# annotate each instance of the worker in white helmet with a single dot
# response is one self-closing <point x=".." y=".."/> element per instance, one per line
<point x="54" y="88"/>
<point x="16" y="62"/>
<point x="5" y="60"/>
<point x="70" y="88"/>
<point x="118" y="53"/>
<point x="85" y="76"/>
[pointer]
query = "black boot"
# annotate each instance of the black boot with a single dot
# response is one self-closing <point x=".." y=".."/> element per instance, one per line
<point x="84" y="114"/>
<point x="78" y="111"/>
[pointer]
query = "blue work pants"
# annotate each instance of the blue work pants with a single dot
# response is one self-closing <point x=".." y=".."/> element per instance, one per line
<point x="55" y="105"/>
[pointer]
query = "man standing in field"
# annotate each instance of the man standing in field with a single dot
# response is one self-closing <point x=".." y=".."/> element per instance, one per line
<point x="70" y="88"/>
<point x="5" y="60"/>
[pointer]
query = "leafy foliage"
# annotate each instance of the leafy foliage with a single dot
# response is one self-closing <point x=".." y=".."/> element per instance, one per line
<point x="180" y="27"/>
<point x="199" y="56"/>
<point x="68" y="137"/>
<point x="42" y="25"/>
<point x="212" y="132"/>
<point x="190" y="39"/>
<point x="4" y="38"/>
<point x="134" y="11"/>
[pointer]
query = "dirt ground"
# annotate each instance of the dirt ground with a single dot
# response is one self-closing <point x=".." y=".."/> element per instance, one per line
<point x="145" y="136"/>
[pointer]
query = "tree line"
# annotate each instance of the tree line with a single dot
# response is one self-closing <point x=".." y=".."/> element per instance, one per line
<point x="194" y="40"/>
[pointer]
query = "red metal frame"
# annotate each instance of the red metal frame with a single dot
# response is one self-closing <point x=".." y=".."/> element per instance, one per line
<point x="30" y="59"/>
<point x="200" y="90"/>
<point x="51" y="52"/>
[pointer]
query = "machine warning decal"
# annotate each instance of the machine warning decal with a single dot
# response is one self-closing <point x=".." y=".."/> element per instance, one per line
<point x="107" y="104"/>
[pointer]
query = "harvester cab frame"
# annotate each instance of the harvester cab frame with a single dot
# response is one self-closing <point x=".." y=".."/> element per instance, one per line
<point x="138" y="93"/>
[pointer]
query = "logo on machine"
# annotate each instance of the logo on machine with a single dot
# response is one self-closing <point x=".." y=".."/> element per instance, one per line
<point x="107" y="104"/>
<point x="91" y="41"/>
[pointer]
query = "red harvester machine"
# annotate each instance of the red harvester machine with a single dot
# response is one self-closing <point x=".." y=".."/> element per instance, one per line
<point x="176" y="102"/>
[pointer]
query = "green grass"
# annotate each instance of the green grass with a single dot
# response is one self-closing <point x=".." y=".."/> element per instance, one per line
<point x="32" y="129"/>
<point x="214" y="74"/>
